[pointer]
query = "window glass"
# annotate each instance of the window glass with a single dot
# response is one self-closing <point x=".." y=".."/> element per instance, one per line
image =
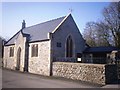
<point x="11" y="51"/>
<point x="58" y="44"/>
<point x="34" y="50"/>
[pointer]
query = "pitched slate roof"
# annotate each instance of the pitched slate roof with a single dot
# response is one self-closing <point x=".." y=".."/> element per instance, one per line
<point x="100" y="49"/>
<point x="39" y="31"/>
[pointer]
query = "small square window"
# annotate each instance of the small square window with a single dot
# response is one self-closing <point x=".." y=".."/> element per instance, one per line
<point x="58" y="44"/>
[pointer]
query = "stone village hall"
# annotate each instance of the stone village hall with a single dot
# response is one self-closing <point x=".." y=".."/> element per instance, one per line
<point x="34" y="48"/>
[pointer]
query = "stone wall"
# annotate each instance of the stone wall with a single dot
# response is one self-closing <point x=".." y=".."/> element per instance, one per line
<point x="20" y="42"/>
<point x="11" y="62"/>
<point x="37" y="65"/>
<point x="68" y="28"/>
<point x="93" y="73"/>
<point x="40" y="64"/>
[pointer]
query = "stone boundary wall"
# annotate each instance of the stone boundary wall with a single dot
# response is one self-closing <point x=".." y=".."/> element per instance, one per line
<point x="93" y="73"/>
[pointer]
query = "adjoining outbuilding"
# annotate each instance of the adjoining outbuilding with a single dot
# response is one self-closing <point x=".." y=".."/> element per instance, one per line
<point x="101" y="55"/>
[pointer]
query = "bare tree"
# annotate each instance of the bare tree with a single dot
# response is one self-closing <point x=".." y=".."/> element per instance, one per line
<point x="107" y="31"/>
<point x="96" y="34"/>
<point x="89" y="34"/>
<point x="1" y="46"/>
<point x="102" y="34"/>
<point x="112" y="20"/>
<point x="2" y="41"/>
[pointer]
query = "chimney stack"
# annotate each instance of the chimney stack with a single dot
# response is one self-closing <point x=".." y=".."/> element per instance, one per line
<point x="23" y="24"/>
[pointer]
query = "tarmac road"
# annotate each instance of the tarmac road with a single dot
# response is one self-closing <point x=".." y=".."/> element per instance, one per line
<point x="14" y="79"/>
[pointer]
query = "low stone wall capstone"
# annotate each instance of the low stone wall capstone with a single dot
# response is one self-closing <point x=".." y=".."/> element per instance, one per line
<point x="93" y="73"/>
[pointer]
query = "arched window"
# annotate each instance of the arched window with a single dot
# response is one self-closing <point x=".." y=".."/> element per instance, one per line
<point x="69" y="47"/>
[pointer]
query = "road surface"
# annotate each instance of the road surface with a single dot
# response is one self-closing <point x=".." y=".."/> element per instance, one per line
<point x="14" y="79"/>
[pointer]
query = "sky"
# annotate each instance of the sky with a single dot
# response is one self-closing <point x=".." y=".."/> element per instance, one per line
<point x="13" y="13"/>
